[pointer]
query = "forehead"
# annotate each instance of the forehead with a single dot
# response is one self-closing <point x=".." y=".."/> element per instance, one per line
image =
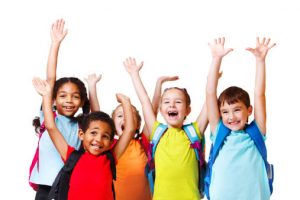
<point x="68" y="87"/>
<point x="237" y="104"/>
<point x="173" y="93"/>
<point x="119" y="109"/>
<point x="100" y="125"/>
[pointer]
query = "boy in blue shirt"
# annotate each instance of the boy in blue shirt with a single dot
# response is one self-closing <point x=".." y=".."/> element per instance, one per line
<point x="239" y="170"/>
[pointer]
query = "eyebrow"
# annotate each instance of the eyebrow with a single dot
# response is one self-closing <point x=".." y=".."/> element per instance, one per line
<point x="68" y="92"/>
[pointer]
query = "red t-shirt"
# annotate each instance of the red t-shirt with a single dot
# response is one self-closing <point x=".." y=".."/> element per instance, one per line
<point x="91" y="178"/>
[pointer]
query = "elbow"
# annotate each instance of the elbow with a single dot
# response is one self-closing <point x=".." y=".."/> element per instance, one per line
<point x="50" y="126"/>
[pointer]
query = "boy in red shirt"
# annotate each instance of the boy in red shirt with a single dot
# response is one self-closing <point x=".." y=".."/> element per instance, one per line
<point x="91" y="178"/>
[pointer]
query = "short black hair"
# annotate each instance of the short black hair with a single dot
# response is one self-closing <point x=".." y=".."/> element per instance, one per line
<point x="98" y="116"/>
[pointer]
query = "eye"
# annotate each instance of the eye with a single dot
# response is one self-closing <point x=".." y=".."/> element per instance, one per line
<point x="119" y="116"/>
<point x="237" y="110"/>
<point x="62" y="95"/>
<point x="166" y="102"/>
<point x="93" y="133"/>
<point x="178" y="101"/>
<point x="106" y="137"/>
<point x="224" y="112"/>
<point x="76" y="96"/>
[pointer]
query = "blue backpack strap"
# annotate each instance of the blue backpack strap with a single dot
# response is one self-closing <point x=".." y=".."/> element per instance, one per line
<point x="161" y="128"/>
<point x="190" y="131"/>
<point x="222" y="133"/>
<point x="255" y="134"/>
<point x="150" y="169"/>
<point x="199" y="147"/>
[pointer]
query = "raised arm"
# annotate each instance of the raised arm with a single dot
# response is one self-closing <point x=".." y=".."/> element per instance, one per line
<point x="133" y="69"/>
<point x="92" y="81"/>
<point x="218" y="52"/>
<point x="157" y="92"/>
<point x="260" y="53"/>
<point x="57" y="33"/>
<point x="130" y="125"/>
<point x="202" y="119"/>
<point x="157" y="95"/>
<point x="44" y="89"/>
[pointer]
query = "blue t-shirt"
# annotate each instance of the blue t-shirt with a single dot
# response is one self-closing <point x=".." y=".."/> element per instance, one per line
<point x="239" y="170"/>
<point x="50" y="161"/>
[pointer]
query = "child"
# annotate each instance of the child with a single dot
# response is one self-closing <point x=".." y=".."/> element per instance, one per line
<point x="90" y="178"/>
<point x="175" y="161"/>
<point x="239" y="171"/>
<point x="131" y="180"/>
<point x="69" y="94"/>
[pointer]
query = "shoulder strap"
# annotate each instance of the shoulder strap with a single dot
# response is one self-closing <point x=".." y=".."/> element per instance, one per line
<point x="223" y="132"/>
<point x="112" y="163"/>
<point x="111" y="158"/>
<point x="60" y="187"/>
<point x="255" y="134"/>
<point x="257" y="138"/>
<point x="190" y="131"/>
<point x="35" y="160"/>
<point x="156" y="137"/>
<point x="199" y="147"/>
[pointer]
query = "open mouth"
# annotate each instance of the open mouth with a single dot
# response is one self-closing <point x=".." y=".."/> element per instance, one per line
<point x="172" y="113"/>
<point x="122" y="127"/>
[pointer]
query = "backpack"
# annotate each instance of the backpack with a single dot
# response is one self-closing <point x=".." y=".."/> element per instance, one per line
<point x="257" y="138"/>
<point x="197" y="144"/>
<point x="60" y="187"/>
<point x="35" y="160"/>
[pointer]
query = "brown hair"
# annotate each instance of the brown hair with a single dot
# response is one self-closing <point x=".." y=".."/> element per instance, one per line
<point x="232" y="95"/>
<point x="184" y="91"/>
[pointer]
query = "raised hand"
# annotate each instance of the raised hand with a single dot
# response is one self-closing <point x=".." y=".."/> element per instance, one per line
<point x="121" y="98"/>
<point x="163" y="79"/>
<point x="131" y="65"/>
<point x="58" y="32"/>
<point x="93" y="79"/>
<point x="262" y="48"/>
<point x="217" y="48"/>
<point x="41" y="86"/>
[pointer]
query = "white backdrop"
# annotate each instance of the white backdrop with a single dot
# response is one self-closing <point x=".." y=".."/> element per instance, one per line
<point x="171" y="38"/>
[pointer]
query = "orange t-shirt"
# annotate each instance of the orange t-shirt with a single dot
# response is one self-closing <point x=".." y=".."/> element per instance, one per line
<point x="131" y="183"/>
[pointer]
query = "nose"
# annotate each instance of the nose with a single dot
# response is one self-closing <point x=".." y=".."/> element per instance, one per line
<point x="98" y="138"/>
<point x="230" y="116"/>
<point x="172" y="104"/>
<point x="69" y="98"/>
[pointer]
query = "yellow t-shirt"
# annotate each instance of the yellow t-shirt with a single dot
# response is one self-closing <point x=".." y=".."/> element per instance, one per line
<point x="176" y="166"/>
<point x="131" y="183"/>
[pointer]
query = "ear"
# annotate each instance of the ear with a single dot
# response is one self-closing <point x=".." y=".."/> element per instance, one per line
<point x="80" y="134"/>
<point x="188" y="110"/>
<point x="250" y="109"/>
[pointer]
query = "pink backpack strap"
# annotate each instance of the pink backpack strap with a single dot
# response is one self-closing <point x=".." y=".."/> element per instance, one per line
<point x="35" y="160"/>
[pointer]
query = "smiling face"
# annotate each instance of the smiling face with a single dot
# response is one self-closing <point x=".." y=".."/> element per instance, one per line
<point x="174" y="107"/>
<point x="97" y="138"/>
<point x="68" y="99"/>
<point x="235" y="115"/>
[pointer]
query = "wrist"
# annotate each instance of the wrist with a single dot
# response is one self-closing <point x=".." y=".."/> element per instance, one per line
<point x="55" y="43"/>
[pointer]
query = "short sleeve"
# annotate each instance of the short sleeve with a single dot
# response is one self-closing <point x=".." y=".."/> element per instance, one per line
<point x="156" y="123"/>
<point x="69" y="151"/>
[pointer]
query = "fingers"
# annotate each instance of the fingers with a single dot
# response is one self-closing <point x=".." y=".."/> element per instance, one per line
<point x="264" y="42"/>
